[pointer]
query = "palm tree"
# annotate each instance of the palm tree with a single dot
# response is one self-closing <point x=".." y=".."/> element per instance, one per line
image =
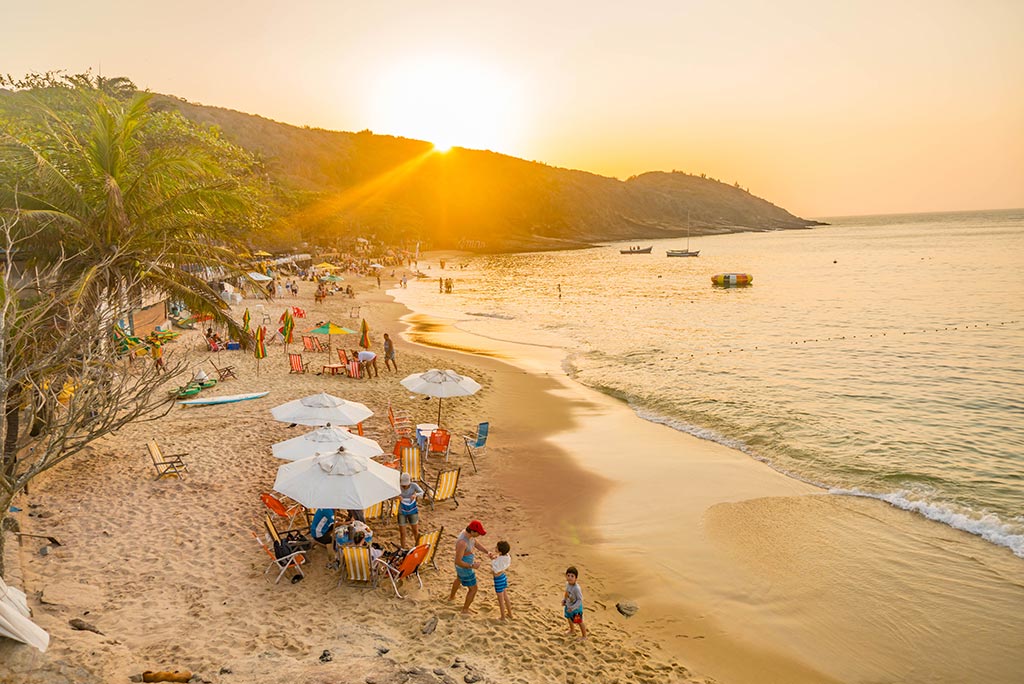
<point x="128" y="203"/>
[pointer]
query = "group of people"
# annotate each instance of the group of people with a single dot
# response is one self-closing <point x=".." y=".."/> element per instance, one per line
<point x="466" y="565"/>
<point x="445" y="285"/>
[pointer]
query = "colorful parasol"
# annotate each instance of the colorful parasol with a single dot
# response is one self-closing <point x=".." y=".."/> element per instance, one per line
<point x="289" y="326"/>
<point x="246" y="319"/>
<point x="260" y="348"/>
<point x="364" y="335"/>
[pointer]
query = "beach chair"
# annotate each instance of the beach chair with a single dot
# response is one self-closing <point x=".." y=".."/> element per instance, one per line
<point x="374" y="512"/>
<point x="291" y="560"/>
<point x="401" y="423"/>
<point x="431" y="539"/>
<point x="354" y="370"/>
<point x="262" y="316"/>
<point x="439" y="443"/>
<point x="412" y="463"/>
<point x="409" y="565"/>
<point x="287" y="513"/>
<point x="477" y="443"/>
<point x="445" y="487"/>
<point x="166" y="465"/>
<point x="298" y="313"/>
<point x="307" y="343"/>
<point x="353" y="312"/>
<point x="389" y="513"/>
<point x="224" y="372"/>
<point x="319" y="347"/>
<point x="357" y="567"/>
<point x="295" y="364"/>
<point x="400" y="443"/>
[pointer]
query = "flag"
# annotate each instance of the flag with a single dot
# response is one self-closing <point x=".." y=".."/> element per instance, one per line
<point x="289" y="326"/>
<point x="260" y="350"/>
<point x="246" y="318"/>
<point x="364" y="335"/>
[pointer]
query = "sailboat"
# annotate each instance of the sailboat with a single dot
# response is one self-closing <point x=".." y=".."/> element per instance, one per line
<point x="684" y="252"/>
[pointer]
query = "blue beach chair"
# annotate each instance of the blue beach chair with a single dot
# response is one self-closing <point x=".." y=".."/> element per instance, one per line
<point x="477" y="443"/>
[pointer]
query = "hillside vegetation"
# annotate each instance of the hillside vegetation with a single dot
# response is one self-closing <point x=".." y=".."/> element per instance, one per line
<point x="401" y="189"/>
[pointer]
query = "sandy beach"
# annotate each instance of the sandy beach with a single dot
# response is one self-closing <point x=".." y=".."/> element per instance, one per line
<point x="779" y="579"/>
<point x="170" y="574"/>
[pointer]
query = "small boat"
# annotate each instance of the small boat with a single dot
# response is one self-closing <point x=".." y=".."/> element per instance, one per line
<point x="684" y="252"/>
<point x="229" y="399"/>
<point x="732" y="279"/>
<point x="637" y="250"/>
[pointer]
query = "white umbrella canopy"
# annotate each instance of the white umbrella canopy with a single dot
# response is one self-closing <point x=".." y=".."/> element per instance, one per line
<point x="337" y="479"/>
<point x="441" y="384"/>
<point x="326" y="439"/>
<point x="321" y="409"/>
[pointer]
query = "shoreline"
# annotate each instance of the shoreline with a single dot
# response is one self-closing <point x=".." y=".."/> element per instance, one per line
<point x="853" y="520"/>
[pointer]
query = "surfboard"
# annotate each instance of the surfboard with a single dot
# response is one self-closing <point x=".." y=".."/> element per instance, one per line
<point x="229" y="399"/>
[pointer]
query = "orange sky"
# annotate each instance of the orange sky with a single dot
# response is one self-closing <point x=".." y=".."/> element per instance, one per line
<point x="825" y="108"/>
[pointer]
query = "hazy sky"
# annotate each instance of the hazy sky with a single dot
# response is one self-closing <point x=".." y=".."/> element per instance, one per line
<point x="823" y="107"/>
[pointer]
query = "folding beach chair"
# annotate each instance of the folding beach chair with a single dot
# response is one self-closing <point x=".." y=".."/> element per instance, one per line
<point x="476" y="444"/>
<point x="166" y="465"/>
<point x="224" y="372"/>
<point x="298" y="312"/>
<point x="374" y="512"/>
<point x="445" y="486"/>
<point x="291" y="560"/>
<point x="287" y="513"/>
<point x="307" y="343"/>
<point x="409" y="565"/>
<point x="262" y="315"/>
<point x="357" y="567"/>
<point x="430" y="539"/>
<point x="439" y="442"/>
<point x="354" y="369"/>
<point x="319" y="347"/>
<point x="295" y="363"/>
<point x="412" y="463"/>
<point x="401" y="423"/>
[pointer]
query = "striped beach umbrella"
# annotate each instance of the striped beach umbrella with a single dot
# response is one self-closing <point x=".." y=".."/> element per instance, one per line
<point x="246" y="319"/>
<point x="260" y="348"/>
<point x="289" y="326"/>
<point x="364" y="335"/>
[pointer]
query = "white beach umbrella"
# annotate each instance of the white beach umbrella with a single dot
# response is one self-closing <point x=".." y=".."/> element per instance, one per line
<point x="326" y="439"/>
<point x="321" y="409"/>
<point x="441" y="384"/>
<point x="337" y="479"/>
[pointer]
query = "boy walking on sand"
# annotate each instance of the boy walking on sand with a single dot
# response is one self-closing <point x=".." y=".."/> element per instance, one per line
<point x="499" y="566"/>
<point x="573" y="602"/>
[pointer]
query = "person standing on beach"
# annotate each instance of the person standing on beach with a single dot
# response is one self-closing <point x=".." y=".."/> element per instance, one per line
<point x="573" y="602"/>
<point x="367" y="359"/>
<point x="466" y="563"/>
<point x="499" y="568"/>
<point x="389" y="353"/>
<point x="408" y="510"/>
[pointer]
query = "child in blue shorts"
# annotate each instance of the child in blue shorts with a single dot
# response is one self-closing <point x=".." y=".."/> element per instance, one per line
<point x="573" y="602"/>
<point x="499" y="566"/>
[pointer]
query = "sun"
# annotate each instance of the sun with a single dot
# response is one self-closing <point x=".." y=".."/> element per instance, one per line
<point x="449" y="103"/>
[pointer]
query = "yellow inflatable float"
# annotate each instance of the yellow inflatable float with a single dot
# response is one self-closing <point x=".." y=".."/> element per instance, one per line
<point x="732" y="279"/>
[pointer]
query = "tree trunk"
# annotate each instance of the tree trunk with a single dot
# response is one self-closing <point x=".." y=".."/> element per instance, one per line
<point x="5" y="505"/>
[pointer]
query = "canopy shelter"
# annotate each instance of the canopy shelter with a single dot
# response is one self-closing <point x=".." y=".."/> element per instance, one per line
<point x="337" y="479"/>
<point x="321" y="409"/>
<point x="331" y="279"/>
<point x="441" y="384"/>
<point x="323" y="439"/>
<point x="259" y="277"/>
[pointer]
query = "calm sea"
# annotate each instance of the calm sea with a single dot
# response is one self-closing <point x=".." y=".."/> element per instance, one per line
<point x="879" y="356"/>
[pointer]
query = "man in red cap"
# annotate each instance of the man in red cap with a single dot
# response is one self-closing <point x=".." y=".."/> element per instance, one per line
<point x="465" y="563"/>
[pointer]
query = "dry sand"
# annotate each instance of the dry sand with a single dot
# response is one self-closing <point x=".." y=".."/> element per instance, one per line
<point x="171" y="575"/>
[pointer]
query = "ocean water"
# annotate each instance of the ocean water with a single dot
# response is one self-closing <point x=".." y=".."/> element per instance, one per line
<point x="878" y="356"/>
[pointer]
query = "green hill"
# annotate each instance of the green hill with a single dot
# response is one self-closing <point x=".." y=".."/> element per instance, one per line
<point x="400" y="189"/>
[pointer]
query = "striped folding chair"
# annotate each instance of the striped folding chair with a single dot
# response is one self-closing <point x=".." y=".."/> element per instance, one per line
<point x="431" y="539"/>
<point x="295" y="364"/>
<point x="445" y="486"/>
<point x="374" y="512"/>
<point x="357" y="566"/>
<point x="412" y="463"/>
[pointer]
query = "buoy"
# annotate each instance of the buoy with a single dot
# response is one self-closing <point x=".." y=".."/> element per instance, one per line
<point x="732" y="279"/>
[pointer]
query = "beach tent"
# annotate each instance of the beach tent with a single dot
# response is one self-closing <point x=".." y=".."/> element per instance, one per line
<point x="323" y="439"/>
<point x="321" y="409"/>
<point x="259" y="277"/>
<point x="14" y="616"/>
<point x="337" y="479"/>
<point x="441" y="384"/>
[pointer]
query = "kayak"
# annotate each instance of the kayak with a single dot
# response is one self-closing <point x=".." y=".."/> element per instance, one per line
<point x="229" y="399"/>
